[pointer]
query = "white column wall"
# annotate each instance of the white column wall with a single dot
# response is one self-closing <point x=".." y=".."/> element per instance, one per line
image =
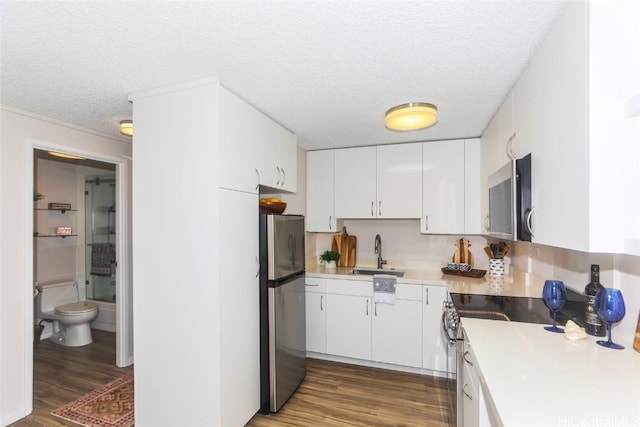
<point x="175" y="250"/>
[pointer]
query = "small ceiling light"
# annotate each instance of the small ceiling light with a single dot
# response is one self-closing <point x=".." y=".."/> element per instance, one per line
<point x="411" y="116"/>
<point x="65" y="155"/>
<point x="126" y="127"/>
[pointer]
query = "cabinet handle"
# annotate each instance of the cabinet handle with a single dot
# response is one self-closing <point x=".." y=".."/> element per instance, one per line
<point x="464" y="391"/>
<point x="321" y="301"/>
<point x="375" y="309"/>
<point x="509" y="148"/>
<point x="380" y="208"/>
<point x="529" y="215"/>
<point x="314" y="285"/>
<point x="330" y="222"/>
<point x="487" y="223"/>
<point x="372" y="214"/>
<point x="278" y="180"/>
<point x="367" y="305"/>
<point x="427" y="296"/>
<point x="284" y="176"/>
<point x="258" y="175"/>
<point x="426" y="223"/>
<point x="464" y="356"/>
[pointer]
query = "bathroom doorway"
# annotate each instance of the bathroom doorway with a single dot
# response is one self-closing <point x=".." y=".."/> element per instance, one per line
<point x="98" y="190"/>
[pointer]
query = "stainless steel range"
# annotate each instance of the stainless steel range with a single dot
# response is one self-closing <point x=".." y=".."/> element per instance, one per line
<point x="494" y="307"/>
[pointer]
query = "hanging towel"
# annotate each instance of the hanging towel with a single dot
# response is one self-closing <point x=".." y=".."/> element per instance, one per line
<point x="103" y="255"/>
<point x="384" y="288"/>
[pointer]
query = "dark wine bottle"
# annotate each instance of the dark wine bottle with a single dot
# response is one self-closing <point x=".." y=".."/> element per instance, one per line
<point x="594" y="324"/>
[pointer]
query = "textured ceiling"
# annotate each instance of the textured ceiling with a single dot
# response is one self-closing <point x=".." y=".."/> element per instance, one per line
<point x="326" y="70"/>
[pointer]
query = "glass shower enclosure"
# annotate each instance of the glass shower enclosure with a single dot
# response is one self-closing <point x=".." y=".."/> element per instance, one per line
<point x="100" y="237"/>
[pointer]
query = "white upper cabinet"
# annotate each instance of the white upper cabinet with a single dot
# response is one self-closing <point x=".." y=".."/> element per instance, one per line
<point x="472" y="187"/>
<point x="575" y="109"/>
<point x="399" y="180"/>
<point x="355" y="183"/>
<point x="286" y="166"/>
<point x="442" y="187"/>
<point x="254" y="150"/>
<point x="238" y="142"/>
<point x="320" y="187"/>
<point x="378" y="182"/>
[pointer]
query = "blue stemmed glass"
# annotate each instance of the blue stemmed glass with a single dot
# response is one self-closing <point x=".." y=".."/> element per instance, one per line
<point x="554" y="295"/>
<point x="610" y="307"/>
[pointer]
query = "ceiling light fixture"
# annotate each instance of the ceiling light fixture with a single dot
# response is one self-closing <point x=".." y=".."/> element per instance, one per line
<point x="65" y="155"/>
<point x="411" y="116"/>
<point x="126" y="127"/>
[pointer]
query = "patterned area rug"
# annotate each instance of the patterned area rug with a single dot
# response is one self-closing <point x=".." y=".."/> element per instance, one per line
<point x="108" y="406"/>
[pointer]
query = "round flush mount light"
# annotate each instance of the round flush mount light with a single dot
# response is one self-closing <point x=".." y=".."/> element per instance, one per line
<point x="411" y="116"/>
<point x="65" y="155"/>
<point x="126" y="127"/>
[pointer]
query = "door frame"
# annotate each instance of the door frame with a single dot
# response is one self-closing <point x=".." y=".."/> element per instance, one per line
<point x="124" y="306"/>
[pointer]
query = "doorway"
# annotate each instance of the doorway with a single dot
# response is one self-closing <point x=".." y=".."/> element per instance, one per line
<point x="90" y="164"/>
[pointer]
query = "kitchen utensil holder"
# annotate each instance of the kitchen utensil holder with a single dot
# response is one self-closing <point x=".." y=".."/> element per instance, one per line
<point x="496" y="267"/>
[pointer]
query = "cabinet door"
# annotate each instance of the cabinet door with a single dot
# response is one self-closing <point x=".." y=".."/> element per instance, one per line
<point x="316" y="322"/>
<point x="266" y="133"/>
<point x="396" y="333"/>
<point x="399" y="181"/>
<point x="470" y="398"/>
<point x="238" y="283"/>
<point x="443" y="187"/>
<point x="320" y="178"/>
<point x="434" y="350"/>
<point x="238" y="144"/>
<point x="355" y="182"/>
<point x="349" y="326"/>
<point x="472" y="187"/>
<point x="287" y="160"/>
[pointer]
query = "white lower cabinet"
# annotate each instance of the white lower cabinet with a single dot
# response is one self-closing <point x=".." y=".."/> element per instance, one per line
<point x="349" y="326"/>
<point x="396" y="333"/>
<point x="405" y="333"/>
<point x="316" y="319"/>
<point x="434" y="352"/>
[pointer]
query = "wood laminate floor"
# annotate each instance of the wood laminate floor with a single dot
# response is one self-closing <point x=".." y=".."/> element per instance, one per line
<point x="332" y="394"/>
<point x="337" y="394"/>
<point x="62" y="374"/>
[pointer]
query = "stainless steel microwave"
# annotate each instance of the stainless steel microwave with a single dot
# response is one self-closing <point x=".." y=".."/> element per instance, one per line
<point x="510" y="210"/>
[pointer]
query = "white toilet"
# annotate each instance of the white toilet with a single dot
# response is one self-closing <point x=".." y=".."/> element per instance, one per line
<point x="71" y="317"/>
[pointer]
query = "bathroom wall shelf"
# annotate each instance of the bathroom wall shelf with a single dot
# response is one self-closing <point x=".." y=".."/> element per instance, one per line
<point x="56" y="210"/>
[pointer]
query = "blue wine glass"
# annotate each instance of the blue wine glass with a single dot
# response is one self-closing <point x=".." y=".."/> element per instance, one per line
<point x="610" y="307"/>
<point x="554" y="295"/>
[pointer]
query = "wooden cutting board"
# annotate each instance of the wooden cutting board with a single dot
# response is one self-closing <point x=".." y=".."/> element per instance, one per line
<point x="463" y="254"/>
<point x="345" y="245"/>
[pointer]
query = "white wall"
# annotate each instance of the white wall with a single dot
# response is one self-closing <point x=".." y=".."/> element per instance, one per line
<point x="20" y="130"/>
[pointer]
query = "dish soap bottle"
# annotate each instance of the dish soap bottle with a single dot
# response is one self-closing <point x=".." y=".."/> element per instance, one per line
<point x="594" y="325"/>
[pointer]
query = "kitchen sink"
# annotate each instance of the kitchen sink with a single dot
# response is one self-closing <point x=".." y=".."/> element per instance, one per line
<point x="371" y="272"/>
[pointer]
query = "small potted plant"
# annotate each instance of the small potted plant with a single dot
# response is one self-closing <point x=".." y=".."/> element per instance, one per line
<point x="330" y="258"/>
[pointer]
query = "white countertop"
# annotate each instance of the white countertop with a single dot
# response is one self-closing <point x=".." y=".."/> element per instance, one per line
<point x="516" y="284"/>
<point x="540" y="378"/>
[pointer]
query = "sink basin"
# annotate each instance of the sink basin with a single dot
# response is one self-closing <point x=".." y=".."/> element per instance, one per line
<point x="371" y="272"/>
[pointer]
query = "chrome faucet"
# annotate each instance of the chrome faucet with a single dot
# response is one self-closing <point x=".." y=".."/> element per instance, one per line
<point x="378" y="250"/>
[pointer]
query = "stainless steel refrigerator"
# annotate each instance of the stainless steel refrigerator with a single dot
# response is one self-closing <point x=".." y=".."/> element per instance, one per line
<point x="283" y="363"/>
